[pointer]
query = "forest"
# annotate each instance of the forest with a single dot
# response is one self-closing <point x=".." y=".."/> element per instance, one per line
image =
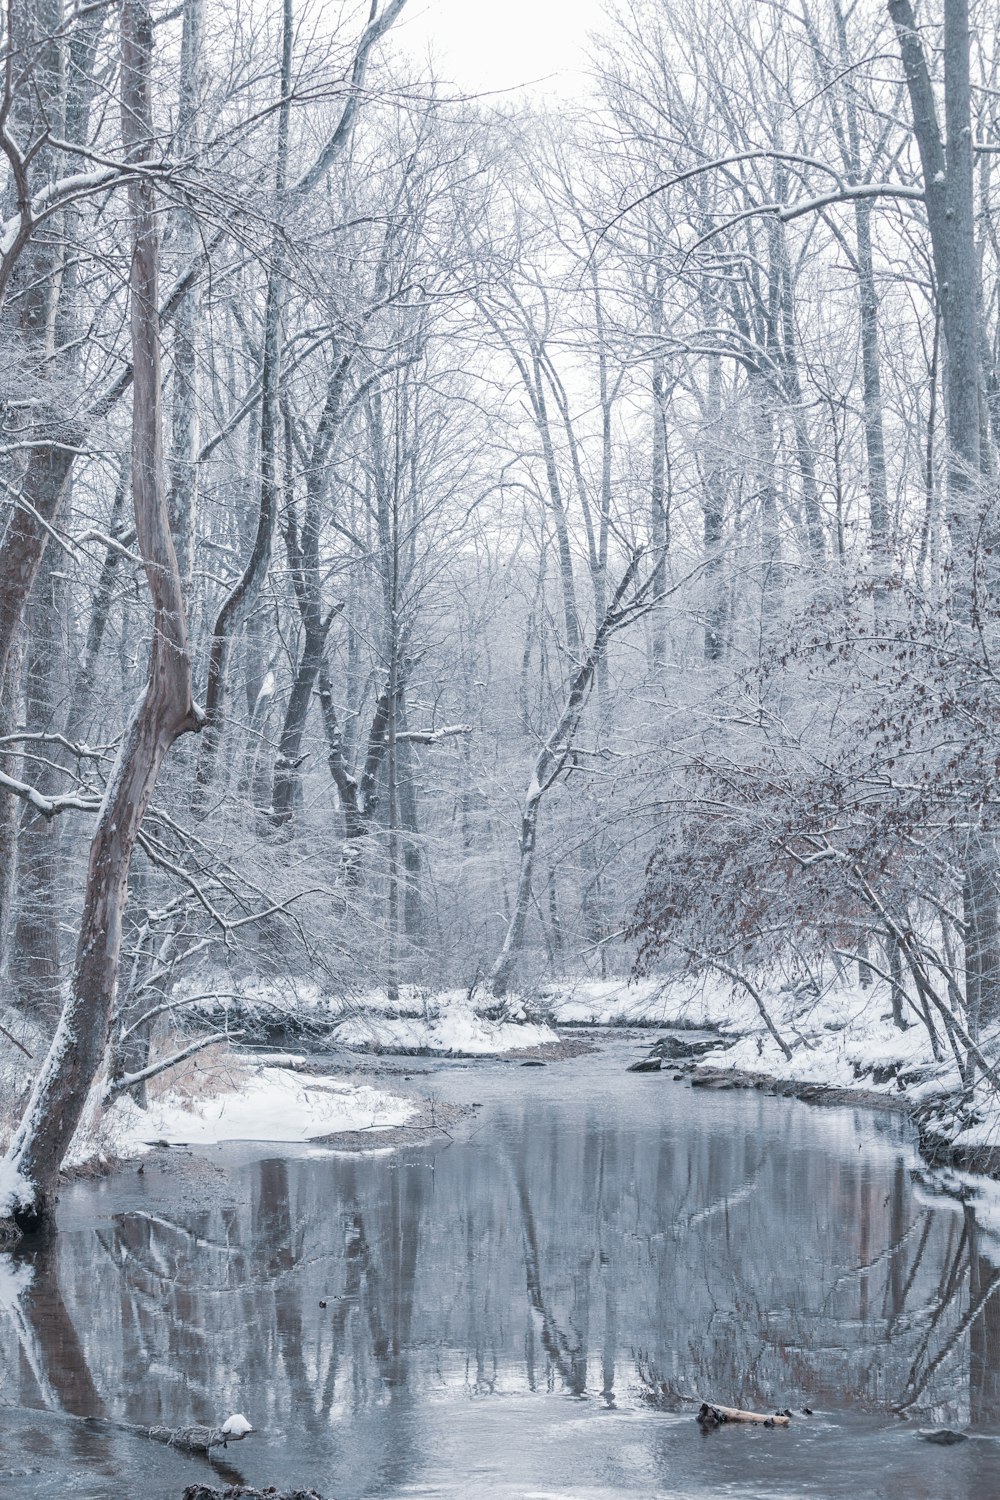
<point x="457" y="544"/>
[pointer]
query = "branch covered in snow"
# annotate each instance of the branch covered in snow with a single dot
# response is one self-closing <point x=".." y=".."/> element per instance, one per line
<point x="126" y="1081"/>
<point x="431" y="736"/>
<point x="48" y="806"/>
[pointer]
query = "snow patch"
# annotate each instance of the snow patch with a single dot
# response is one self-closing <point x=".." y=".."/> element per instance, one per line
<point x="14" y="1189"/>
<point x="450" y="1026"/>
<point x="273" y="1104"/>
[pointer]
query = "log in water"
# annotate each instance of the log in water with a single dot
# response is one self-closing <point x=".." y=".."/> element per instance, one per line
<point x="711" y="1415"/>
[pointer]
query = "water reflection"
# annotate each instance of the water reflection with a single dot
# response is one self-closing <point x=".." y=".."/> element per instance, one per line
<point x="739" y="1248"/>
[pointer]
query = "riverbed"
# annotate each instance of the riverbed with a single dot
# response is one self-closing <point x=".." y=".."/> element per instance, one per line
<point x="531" y="1305"/>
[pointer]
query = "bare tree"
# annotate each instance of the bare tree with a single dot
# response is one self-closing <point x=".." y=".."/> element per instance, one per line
<point x="165" y="710"/>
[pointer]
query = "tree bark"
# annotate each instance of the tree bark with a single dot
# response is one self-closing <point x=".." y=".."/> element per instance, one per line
<point x="35" y="953"/>
<point x="164" y="711"/>
<point x="948" y="195"/>
<point x="10" y="811"/>
<point x="185" y="427"/>
<point x="659" y="528"/>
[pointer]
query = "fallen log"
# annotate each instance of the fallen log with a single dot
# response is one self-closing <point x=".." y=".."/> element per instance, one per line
<point x="712" y="1415"/>
<point x="194" y="1439"/>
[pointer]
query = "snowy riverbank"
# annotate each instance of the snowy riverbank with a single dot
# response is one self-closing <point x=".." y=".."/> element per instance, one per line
<point x="838" y="1041"/>
<point x="834" y="1034"/>
<point x="245" y="1102"/>
<point x="834" y="1042"/>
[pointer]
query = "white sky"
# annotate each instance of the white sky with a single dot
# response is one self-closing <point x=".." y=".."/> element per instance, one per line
<point x="486" y="45"/>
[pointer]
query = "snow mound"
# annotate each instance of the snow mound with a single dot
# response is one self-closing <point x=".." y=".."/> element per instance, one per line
<point x="236" y="1426"/>
<point x="449" y="1022"/>
<point x="645" y="1002"/>
<point x="14" y="1189"/>
<point x="272" y="1104"/>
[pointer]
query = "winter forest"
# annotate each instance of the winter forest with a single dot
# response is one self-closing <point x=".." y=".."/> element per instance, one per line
<point x="489" y="581"/>
<point x="582" y="521"/>
<point x="474" y="565"/>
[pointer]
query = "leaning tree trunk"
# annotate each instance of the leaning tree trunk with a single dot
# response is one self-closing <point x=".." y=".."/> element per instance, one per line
<point x="550" y="762"/>
<point x="164" y="711"/>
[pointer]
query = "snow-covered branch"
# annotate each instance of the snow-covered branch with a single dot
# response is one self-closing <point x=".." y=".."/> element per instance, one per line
<point x="431" y="736"/>
<point x="126" y="1081"/>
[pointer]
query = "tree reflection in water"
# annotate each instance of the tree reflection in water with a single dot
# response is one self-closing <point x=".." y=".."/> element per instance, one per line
<point x="748" y="1261"/>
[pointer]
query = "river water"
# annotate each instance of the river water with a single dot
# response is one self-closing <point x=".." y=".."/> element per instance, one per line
<point x="529" y="1309"/>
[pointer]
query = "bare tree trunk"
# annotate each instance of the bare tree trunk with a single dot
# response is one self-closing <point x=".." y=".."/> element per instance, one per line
<point x="243" y="596"/>
<point x="10" y="811"/>
<point x="357" y="796"/>
<point x="302" y="549"/>
<point x="164" y="711"/>
<point x="86" y="676"/>
<point x="878" y="501"/>
<point x="770" y="534"/>
<point x="35" y="951"/>
<point x="557" y="506"/>
<point x="184" y="435"/>
<point x="45" y="104"/>
<point x="392" y="780"/>
<point x="660" y="511"/>
<point x="43" y="489"/>
<point x="406" y="794"/>
<point x="948" y="195"/>
<point x="793" y="388"/>
<point x="549" y="764"/>
<point x="848" y="134"/>
<point x="713" y="499"/>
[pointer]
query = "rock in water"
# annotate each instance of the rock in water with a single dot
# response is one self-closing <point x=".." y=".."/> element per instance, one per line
<point x="945" y="1437"/>
<point x="646" y="1065"/>
<point x="242" y="1492"/>
<point x="678" y="1046"/>
<point x="236" y="1427"/>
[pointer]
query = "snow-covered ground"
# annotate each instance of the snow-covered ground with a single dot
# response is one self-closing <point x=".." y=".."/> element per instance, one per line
<point x="638" y="1002"/>
<point x="839" y="1035"/>
<point x="216" y="1095"/>
<point x="254" y="1104"/>
<point x="449" y="1022"/>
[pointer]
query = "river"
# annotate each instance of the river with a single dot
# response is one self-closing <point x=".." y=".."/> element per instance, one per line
<point x="527" y="1309"/>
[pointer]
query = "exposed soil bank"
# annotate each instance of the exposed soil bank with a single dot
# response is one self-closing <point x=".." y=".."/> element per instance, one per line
<point x="707" y="1077"/>
<point x="936" y="1150"/>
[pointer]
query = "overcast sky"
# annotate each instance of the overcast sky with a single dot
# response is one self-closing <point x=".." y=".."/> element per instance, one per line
<point x="486" y="45"/>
